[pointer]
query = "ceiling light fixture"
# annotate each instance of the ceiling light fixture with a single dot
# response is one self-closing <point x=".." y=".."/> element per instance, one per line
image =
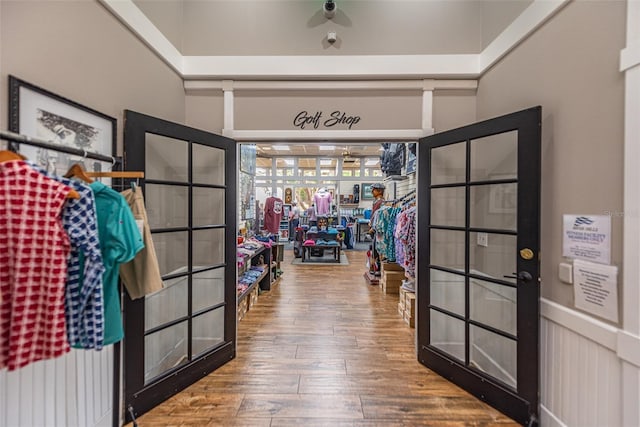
<point x="280" y="147"/>
<point x="329" y="9"/>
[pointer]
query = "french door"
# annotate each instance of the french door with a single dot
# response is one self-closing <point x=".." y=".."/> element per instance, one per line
<point x="188" y="329"/>
<point x="479" y="235"/>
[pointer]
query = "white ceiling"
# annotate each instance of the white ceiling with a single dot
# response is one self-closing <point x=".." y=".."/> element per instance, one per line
<point x="377" y="39"/>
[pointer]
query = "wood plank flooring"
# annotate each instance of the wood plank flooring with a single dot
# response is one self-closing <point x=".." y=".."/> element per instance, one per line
<point x="323" y="348"/>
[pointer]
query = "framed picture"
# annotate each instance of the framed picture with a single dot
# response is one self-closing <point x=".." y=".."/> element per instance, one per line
<point x="366" y="191"/>
<point x="248" y="158"/>
<point x="38" y="113"/>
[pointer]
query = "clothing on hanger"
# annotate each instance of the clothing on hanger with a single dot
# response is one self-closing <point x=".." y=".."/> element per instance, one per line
<point x="33" y="266"/>
<point x="273" y="209"/>
<point x="120" y="241"/>
<point x="141" y="276"/>
<point x="83" y="291"/>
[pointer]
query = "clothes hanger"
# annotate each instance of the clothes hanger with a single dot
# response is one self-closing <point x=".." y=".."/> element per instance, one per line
<point x="77" y="171"/>
<point x="7" y="155"/>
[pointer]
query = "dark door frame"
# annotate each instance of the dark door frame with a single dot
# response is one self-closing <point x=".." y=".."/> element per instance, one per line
<point x="140" y="398"/>
<point x="521" y="404"/>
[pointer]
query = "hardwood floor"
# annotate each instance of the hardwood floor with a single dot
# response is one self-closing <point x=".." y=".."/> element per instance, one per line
<point x="323" y="348"/>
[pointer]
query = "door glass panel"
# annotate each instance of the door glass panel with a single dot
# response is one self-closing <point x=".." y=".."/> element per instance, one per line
<point x="492" y="255"/>
<point x="447" y="249"/>
<point x="167" y="206"/>
<point x="493" y="354"/>
<point x="495" y="157"/>
<point x="448" y="164"/>
<point x="166" y="305"/>
<point x="494" y="206"/>
<point x="166" y="158"/>
<point x="446" y="291"/>
<point x="208" y="206"/>
<point x="493" y="304"/>
<point x="164" y="350"/>
<point x="207" y="289"/>
<point x="208" y="247"/>
<point x="208" y="331"/>
<point x="447" y="206"/>
<point x="208" y="165"/>
<point x="447" y="334"/>
<point x="171" y="250"/>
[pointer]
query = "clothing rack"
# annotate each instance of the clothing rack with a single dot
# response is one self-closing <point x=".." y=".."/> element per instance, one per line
<point x="406" y="198"/>
<point x="13" y="137"/>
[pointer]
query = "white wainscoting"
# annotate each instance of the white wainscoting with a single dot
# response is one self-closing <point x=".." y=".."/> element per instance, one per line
<point x="581" y="370"/>
<point x="73" y="390"/>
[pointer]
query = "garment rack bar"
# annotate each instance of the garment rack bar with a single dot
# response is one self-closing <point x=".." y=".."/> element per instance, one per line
<point x="123" y="174"/>
<point x="23" y="139"/>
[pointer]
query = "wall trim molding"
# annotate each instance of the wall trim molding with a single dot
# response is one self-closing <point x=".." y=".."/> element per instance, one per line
<point x="548" y="419"/>
<point x="625" y="345"/>
<point x="459" y="66"/>
<point x="415" y="85"/>
<point x="321" y="135"/>
<point x="630" y="57"/>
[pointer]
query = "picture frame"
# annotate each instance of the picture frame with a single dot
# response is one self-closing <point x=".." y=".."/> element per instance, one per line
<point x="366" y="193"/>
<point x="39" y="113"/>
<point x="248" y="154"/>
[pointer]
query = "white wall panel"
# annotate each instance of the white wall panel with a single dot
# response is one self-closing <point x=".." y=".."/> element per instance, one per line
<point x="73" y="390"/>
<point x="581" y="378"/>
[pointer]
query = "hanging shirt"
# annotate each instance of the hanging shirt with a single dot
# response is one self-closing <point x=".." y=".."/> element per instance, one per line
<point x="141" y="276"/>
<point x="273" y="208"/>
<point x="120" y="240"/>
<point x="322" y="200"/>
<point x="33" y="266"/>
<point x="83" y="293"/>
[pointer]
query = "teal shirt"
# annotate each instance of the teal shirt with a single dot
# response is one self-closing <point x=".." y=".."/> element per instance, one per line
<point x="120" y="241"/>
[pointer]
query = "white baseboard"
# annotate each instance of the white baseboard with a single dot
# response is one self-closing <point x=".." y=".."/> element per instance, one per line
<point x="547" y="419"/>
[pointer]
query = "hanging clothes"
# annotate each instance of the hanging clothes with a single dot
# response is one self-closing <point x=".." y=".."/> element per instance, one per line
<point x="120" y="241"/>
<point x="33" y="266"/>
<point x="141" y="276"/>
<point x="83" y="292"/>
<point x="405" y="233"/>
<point x="273" y="208"/>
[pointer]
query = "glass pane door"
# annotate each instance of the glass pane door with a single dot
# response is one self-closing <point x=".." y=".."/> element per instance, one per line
<point x="478" y="225"/>
<point x="180" y="333"/>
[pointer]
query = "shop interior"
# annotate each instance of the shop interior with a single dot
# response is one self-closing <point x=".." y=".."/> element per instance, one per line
<point x="327" y="195"/>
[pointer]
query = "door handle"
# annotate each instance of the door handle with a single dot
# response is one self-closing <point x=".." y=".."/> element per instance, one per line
<point x="525" y="276"/>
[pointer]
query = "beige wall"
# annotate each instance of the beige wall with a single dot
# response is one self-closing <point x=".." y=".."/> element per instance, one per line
<point x="376" y="109"/>
<point x="497" y="15"/>
<point x="166" y="15"/>
<point x="205" y="110"/>
<point x="78" y="50"/>
<point x="293" y="27"/>
<point x="453" y="108"/>
<point x="570" y="68"/>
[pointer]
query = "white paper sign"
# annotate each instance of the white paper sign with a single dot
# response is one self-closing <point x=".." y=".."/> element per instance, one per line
<point x="587" y="237"/>
<point x="596" y="288"/>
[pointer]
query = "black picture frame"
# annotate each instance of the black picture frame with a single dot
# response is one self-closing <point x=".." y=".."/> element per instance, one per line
<point x="38" y="113"/>
<point x="366" y="193"/>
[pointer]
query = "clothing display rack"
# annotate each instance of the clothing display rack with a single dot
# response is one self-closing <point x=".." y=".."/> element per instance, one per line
<point x="411" y="195"/>
<point x="14" y="139"/>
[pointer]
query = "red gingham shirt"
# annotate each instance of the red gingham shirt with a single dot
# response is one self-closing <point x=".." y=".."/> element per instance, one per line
<point x="33" y="265"/>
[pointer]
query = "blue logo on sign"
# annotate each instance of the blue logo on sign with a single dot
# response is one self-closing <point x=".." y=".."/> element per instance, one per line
<point x="583" y="220"/>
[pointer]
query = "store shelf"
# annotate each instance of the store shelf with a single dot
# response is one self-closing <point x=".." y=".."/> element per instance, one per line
<point x="254" y="284"/>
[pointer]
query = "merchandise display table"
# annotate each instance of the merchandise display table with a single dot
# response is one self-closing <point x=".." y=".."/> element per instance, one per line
<point x="306" y="251"/>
